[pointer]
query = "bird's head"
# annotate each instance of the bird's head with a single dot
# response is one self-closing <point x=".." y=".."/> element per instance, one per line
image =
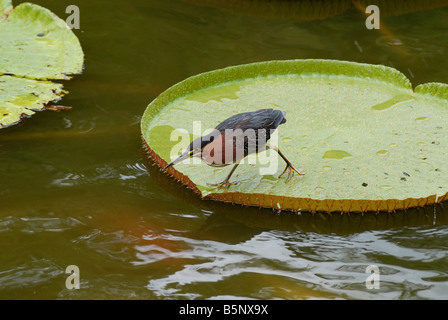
<point x="194" y="149"/>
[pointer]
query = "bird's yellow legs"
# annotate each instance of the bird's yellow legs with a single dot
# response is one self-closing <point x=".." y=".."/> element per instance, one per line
<point x="226" y="182"/>
<point x="289" y="167"/>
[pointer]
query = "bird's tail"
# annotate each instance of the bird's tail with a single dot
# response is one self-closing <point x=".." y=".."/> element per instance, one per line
<point x="284" y="117"/>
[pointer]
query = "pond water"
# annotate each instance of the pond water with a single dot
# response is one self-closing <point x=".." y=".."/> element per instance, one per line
<point x="76" y="187"/>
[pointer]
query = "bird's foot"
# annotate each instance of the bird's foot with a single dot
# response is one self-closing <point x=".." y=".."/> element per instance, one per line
<point x="226" y="183"/>
<point x="289" y="167"/>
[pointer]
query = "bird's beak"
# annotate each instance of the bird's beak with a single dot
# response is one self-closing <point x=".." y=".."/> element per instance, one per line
<point x="185" y="155"/>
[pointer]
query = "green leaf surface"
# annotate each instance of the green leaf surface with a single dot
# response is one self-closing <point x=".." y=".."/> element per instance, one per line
<point x="5" y="6"/>
<point x="35" y="46"/>
<point x="20" y="96"/>
<point x="364" y="138"/>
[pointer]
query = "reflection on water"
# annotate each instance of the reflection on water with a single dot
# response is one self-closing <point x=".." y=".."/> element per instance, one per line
<point x="290" y="263"/>
<point x="76" y="189"/>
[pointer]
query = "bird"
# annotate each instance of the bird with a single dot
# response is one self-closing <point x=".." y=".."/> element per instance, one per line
<point x="235" y="138"/>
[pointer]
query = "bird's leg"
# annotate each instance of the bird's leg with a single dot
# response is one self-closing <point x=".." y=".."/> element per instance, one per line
<point x="226" y="182"/>
<point x="289" y="167"/>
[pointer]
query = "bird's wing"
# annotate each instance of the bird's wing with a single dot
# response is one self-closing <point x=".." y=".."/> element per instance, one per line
<point x="256" y="120"/>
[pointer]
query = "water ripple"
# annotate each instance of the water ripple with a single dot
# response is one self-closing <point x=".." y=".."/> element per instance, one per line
<point x="330" y="264"/>
<point x="38" y="224"/>
<point x="126" y="171"/>
<point x="31" y="274"/>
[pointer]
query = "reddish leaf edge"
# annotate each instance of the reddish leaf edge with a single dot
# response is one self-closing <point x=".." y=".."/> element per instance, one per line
<point x="300" y="204"/>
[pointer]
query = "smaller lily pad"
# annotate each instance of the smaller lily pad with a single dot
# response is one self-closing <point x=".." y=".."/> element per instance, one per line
<point x="35" y="46"/>
<point x="20" y="96"/>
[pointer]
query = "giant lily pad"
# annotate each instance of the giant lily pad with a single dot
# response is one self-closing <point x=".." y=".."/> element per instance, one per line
<point x="35" y="46"/>
<point x="365" y="139"/>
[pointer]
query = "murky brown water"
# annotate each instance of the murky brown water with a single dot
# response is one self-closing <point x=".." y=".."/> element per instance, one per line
<point x="76" y="188"/>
